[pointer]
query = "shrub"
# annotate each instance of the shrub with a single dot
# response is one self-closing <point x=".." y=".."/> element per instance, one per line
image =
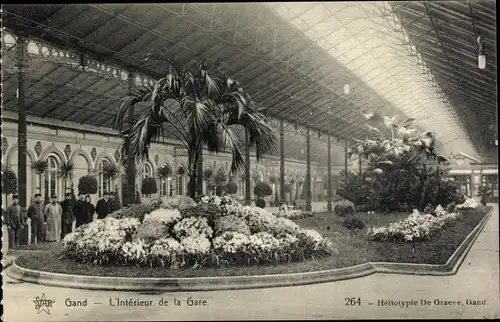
<point x="137" y="211"/>
<point x="182" y="203"/>
<point x="87" y="185"/>
<point x="219" y="190"/>
<point x="261" y="203"/>
<point x="151" y="231"/>
<point x="9" y="181"/>
<point x="231" y="223"/>
<point x="149" y="186"/>
<point x="232" y="188"/>
<point x="262" y="189"/>
<point x="352" y="223"/>
<point x="451" y="207"/>
<point x="205" y="210"/>
<point x="343" y="208"/>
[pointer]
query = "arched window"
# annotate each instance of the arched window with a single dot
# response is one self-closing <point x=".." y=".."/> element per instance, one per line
<point x="104" y="183"/>
<point x="180" y="180"/>
<point x="147" y="171"/>
<point x="52" y="180"/>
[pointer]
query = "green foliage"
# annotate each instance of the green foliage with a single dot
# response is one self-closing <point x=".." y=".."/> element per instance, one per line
<point x="149" y="186"/>
<point x="164" y="172"/>
<point x="352" y="223"/>
<point x="66" y="169"/>
<point x="201" y="106"/>
<point x="261" y="203"/>
<point x="135" y="211"/>
<point x="87" y="185"/>
<point x="9" y="181"/>
<point x="451" y="208"/>
<point x="344" y="208"/>
<point x="403" y="172"/>
<point x="110" y="170"/>
<point x="40" y="166"/>
<point x="209" y="211"/>
<point x="262" y="189"/>
<point x="232" y="188"/>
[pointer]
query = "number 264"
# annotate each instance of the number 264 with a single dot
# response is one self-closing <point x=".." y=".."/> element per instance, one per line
<point x="352" y="301"/>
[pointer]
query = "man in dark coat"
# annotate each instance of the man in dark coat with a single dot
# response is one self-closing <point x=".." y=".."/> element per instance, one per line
<point x="89" y="209"/>
<point x="35" y="213"/>
<point x="67" y="218"/>
<point x="14" y="222"/>
<point x="80" y="211"/>
<point x="114" y="203"/>
<point x="103" y="206"/>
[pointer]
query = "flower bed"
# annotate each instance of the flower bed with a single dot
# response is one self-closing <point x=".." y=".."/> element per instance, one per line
<point x="177" y="233"/>
<point x="289" y="212"/>
<point x="416" y="228"/>
<point x="469" y="203"/>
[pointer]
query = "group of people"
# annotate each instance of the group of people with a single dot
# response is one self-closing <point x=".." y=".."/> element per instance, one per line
<point x="59" y="217"/>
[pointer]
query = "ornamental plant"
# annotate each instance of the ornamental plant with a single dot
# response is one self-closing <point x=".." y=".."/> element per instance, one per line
<point x="201" y="106"/>
<point x="232" y="188"/>
<point x="87" y="185"/>
<point x="402" y="166"/>
<point x="149" y="186"/>
<point x="343" y="208"/>
<point x="262" y="189"/>
<point x="9" y="182"/>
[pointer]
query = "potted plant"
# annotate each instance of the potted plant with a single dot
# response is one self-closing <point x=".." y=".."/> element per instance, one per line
<point x="87" y="185"/>
<point x="261" y="190"/>
<point x="40" y="166"/>
<point x="164" y="172"/>
<point x="66" y="171"/>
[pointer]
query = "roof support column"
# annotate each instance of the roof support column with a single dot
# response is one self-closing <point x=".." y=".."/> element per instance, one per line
<point x="248" y="196"/>
<point x="131" y="168"/>
<point x="360" y="164"/>
<point x="282" y="162"/>
<point x="22" y="59"/>
<point x="308" y="171"/>
<point x="329" y="204"/>
<point x="346" y="159"/>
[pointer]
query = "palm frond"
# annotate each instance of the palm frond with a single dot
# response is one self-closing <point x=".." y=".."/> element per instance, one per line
<point x="66" y="168"/>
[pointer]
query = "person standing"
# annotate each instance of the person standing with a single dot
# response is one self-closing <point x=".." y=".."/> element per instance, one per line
<point x="89" y="210"/>
<point x="114" y="203"/>
<point x="53" y="211"/>
<point x="14" y="222"/>
<point x="102" y="208"/>
<point x="35" y="213"/>
<point x="79" y="211"/>
<point x="67" y="215"/>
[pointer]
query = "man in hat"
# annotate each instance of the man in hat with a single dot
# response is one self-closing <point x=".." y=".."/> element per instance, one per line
<point x="35" y="213"/>
<point x="114" y="203"/>
<point x="80" y="211"/>
<point x="14" y="222"/>
<point x="53" y="212"/>
<point x="103" y="206"/>
<point x="67" y="214"/>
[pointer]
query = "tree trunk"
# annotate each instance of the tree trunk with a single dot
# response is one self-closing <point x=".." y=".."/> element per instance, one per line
<point x="424" y="191"/>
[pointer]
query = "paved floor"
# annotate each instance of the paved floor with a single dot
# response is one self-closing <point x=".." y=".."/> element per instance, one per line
<point x="477" y="280"/>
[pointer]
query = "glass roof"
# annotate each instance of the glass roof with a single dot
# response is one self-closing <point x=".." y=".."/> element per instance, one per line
<point x="371" y="43"/>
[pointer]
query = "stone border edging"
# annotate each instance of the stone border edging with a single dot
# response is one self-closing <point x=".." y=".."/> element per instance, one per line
<point x="247" y="282"/>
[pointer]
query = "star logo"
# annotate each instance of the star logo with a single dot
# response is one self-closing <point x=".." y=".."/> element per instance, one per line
<point x="42" y="304"/>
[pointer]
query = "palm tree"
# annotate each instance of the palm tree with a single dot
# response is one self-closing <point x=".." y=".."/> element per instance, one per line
<point x="66" y="171"/>
<point x="200" y="111"/>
